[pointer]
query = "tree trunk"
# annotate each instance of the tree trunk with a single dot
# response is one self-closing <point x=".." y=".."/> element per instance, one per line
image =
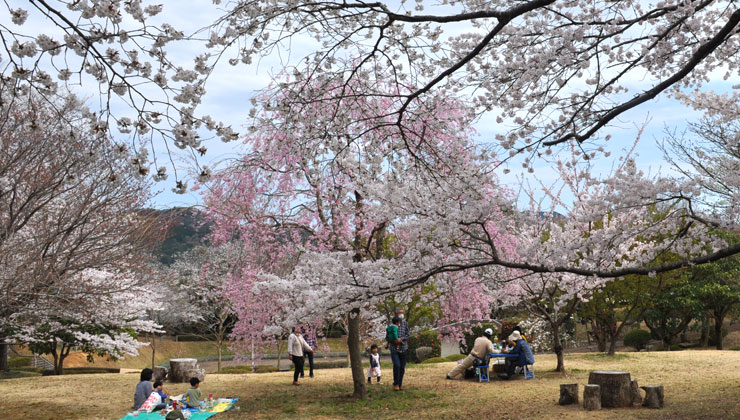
<point x="653" y="396"/>
<point x="592" y="397"/>
<point x="719" y="319"/>
<point x="219" y="357"/>
<point x="278" y="346"/>
<point x="557" y="347"/>
<point x="4" y="350"/>
<point x="154" y="349"/>
<point x="704" y="340"/>
<point x="568" y="394"/>
<point x="613" y="345"/>
<point x="616" y="387"/>
<point x="355" y="353"/>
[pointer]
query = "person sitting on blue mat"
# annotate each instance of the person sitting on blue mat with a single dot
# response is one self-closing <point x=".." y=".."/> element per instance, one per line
<point x="522" y="349"/>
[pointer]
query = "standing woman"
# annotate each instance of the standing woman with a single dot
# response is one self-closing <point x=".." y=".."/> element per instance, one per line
<point x="296" y="346"/>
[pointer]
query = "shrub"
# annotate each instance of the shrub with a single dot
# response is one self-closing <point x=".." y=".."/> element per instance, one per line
<point x="18" y="362"/>
<point x="425" y="339"/>
<point x="455" y="357"/>
<point x="330" y="365"/>
<point x="435" y="360"/>
<point x="637" y="339"/>
<point x="423" y="353"/>
<point x="735" y="348"/>
<point x="476" y="332"/>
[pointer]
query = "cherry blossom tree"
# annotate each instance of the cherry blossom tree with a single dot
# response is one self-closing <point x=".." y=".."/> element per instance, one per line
<point x="68" y="203"/>
<point x="203" y="274"/>
<point x="105" y="323"/>
<point x="320" y="207"/>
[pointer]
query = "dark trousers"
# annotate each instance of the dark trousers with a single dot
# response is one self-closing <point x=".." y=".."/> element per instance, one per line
<point x="399" y="366"/>
<point x="511" y="365"/>
<point x="309" y="356"/>
<point x="298" y="362"/>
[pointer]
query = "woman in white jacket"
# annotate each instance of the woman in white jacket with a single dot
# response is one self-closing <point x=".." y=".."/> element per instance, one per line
<point x="296" y="346"/>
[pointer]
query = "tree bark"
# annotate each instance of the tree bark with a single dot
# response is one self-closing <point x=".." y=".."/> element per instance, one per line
<point x="355" y="353"/>
<point x="636" y="396"/>
<point x="4" y="350"/>
<point x="613" y="346"/>
<point x="592" y="397"/>
<point x="557" y="347"/>
<point x="653" y="396"/>
<point x="616" y="387"/>
<point x="180" y="369"/>
<point x="704" y="340"/>
<point x="219" y="357"/>
<point x="719" y="319"/>
<point x="568" y="394"/>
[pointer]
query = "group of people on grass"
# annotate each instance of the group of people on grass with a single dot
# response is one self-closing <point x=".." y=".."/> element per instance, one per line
<point x="144" y="389"/>
<point x="515" y="345"/>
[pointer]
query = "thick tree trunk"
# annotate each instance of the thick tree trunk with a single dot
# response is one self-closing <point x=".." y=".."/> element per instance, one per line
<point x="154" y="350"/>
<point x="568" y="394"/>
<point x="355" y="353"/>
<point x="592" y="397"/>
<point x="613" y="345"/>
<point x="719" y="319"/>
<point x="557" y="347"/>
<point x="616" y="387"/>
<point x="704" y="340"/>
<point x="4" y="350"/>
<point x="181" y="370"/>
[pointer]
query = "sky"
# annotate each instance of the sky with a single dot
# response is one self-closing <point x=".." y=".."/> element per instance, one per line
<point x="231" y="88"/>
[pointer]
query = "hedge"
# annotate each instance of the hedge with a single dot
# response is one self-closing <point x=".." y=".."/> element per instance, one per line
<point x="424" y="339"/>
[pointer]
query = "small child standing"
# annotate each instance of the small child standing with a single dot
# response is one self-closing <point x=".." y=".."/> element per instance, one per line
<point x="374" y="370"/>
<point x="193" y="396"/>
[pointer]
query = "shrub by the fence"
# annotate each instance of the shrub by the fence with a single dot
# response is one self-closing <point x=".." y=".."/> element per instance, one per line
<point x="435" y="360"/>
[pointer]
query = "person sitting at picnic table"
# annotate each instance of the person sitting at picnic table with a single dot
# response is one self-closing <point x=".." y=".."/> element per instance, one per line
<point x="521" y="348"/>
<point x="481" y="349"/>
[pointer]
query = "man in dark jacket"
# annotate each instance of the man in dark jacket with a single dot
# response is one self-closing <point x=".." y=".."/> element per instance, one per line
<point x="521" y="348"/>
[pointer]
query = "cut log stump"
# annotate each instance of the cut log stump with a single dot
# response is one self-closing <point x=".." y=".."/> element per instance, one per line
<point x="653" y="396"/>
<point x="636" y="395"/>
<point x="616" y="387"/>
<point x="592" y="397"/>
<point x="181" y="370"/>
<point x="160" y="373"/>
<point x="568" y="394"/>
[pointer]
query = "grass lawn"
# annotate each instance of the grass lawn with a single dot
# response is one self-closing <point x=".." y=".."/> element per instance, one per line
<point x="702" y="384"/>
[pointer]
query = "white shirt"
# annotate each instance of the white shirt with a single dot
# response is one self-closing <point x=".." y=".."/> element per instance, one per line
<point x="296" y="345"/>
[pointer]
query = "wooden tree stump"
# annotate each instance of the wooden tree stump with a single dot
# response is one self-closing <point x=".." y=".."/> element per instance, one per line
<point x="636" y="396"/>
<point x="160" y="373"/>
<point x="180" y="369"/>
<point x="653" y="396"/>
<point x="616" y="387"/>
<point x="592" y="397"/>
<point x="568" y="394"/>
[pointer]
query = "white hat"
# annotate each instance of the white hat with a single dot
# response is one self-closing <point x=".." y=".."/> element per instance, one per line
<point x="515" y="336"/>
<point x="488" y="332"/>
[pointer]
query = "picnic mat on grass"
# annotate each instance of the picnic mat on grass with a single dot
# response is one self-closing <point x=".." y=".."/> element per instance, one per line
<point x="222" y="406"/>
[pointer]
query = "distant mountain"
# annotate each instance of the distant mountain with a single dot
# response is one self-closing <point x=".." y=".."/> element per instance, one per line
<point x="182" y="228"/>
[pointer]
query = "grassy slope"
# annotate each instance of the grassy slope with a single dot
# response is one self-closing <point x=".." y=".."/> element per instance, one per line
<point x="698" y="385"/>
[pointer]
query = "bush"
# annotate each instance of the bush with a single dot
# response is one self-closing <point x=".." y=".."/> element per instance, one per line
<point x="18" y="362"/>
<point x="425" y="339"/>
<point x="637" y="339"/>
<point x="435" y="360"/>
<point x="330" y="365"/>
<point x="735" y="348"/>
<point x="82" y="371"/>
<point x="423" y="353"/>
<point x="476" y="332"/>
<point x="455" y="357"/>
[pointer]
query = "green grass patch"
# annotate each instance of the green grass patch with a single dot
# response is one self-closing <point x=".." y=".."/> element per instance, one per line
<point x="455" y="357"/>
<point x="735" y="348"/>
<point x="434" y="360"/>
<point x="15" y="374"/>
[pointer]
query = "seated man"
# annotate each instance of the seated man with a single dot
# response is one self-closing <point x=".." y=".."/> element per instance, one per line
<point x="481" y="349"/>
<point x="522" y="349"/>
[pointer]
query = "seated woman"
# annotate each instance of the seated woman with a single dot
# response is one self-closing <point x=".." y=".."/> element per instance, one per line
<point x="522" y="349"/>
<point x="143" y="388"/>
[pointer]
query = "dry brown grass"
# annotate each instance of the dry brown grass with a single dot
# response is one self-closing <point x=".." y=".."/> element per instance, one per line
<point x="698" y="385"/>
